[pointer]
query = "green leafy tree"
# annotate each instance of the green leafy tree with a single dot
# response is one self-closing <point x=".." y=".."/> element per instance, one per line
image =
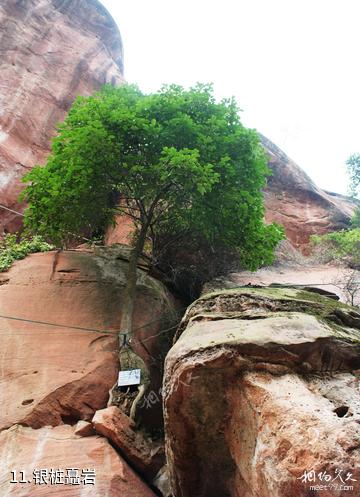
<point x="175" y="161"/>
<point x="353" y="169"/>
<point x="14" y="248"/>
<point x="341" y="245"/>
<point x="355" y="220"/>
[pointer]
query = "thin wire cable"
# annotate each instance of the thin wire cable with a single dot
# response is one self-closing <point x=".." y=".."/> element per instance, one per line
<point x="160" y="333"/>
<point x="23" y="215"/>
<point x="11" y="210"/>
<point x="115" y="332"/>
<point x="82" y="328"/>
<point x="277" y="285"/>
<point x="94" y="330"/>
<point x="57" y="325"/>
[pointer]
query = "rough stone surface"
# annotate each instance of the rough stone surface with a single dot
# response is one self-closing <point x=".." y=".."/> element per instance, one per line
<point x="327" y="277"/>
<point x="84" y="429"/>
<point x="25" y="449"/>
<point x="293" y="200"/>
<point x="144" y="455"/>
<point x="260" y="387"/>
<point x="53" y="50"/>
<point x="51" y="375"/>
<point x="162" y="482"/>
<point x="50" y="52"/>
<point x="120" y="232"/>
<point x="283" y="426"/>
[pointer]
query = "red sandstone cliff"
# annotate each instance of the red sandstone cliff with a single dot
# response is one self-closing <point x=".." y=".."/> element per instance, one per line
<point x="293" y="200"/>
<point x="261" y="388"/>
<point x="53" y="50"/>
<point x="50" y="52"/>
<point x="54" y="378"/>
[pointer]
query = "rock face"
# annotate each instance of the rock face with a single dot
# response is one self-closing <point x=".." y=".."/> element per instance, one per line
<point x="56" y="450"/>
<point x="52" y="375"/>
<point x="261" y="396"/>
<point x="50" y="52"/>
<point x="331" y="278"/>
<point x="293" y="200"/>
<point x="54" y="378"/>
<point x="143" y="455"/>
<point x="53" y="50"/>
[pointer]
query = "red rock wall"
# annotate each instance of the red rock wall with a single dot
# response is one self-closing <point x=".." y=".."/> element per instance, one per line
<point x="293" y="200"/>
<point x="254" y="403"/>
<point x="52" y="377"/>
<point x="50" y="52"/>
<point x="53" y="50"/>
<point x="60" y="448"/>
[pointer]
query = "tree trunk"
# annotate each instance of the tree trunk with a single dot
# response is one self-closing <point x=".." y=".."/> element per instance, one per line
<point x="126" y="325"/>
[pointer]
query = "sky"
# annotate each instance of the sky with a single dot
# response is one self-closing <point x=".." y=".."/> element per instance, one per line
<point x="292" y="65"/>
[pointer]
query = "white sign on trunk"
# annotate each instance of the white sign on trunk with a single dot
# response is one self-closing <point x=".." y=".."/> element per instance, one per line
<point x="130" y="377"/>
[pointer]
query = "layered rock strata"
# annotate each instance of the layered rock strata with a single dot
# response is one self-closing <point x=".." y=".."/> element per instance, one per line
<point x="144" y="455"/>
<point x="262" y="396"/>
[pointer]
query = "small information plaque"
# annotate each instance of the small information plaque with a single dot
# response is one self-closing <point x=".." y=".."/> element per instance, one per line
<point x="128" y="378"/>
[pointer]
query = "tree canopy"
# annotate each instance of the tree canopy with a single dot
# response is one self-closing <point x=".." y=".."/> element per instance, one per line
<point x="353" y="169"/>
<point x="175" y="161"/>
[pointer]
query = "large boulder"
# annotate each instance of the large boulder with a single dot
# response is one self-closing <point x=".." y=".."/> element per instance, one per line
<point x="50" y="52"/>
<point x="54" y="461"/>
<point x="60" y="374"/>
<point x="261" y="396"/>
<point x="143" y="454"/>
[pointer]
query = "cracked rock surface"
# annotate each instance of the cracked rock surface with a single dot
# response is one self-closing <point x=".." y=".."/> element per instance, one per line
<point x="54" y="378"/>
<point x="262" y="385"/>
<point x="58" y="448"/>
<point x="52" y="375"/>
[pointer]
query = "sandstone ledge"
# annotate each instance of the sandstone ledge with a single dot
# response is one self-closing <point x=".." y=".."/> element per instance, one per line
<point x="53" y="375"/>
<point x="25" y="449"/>
<point x="261" y="386"/>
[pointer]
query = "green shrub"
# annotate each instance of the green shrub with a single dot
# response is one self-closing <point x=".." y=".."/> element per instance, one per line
<point x="355" y="220"/>
<point x="13" y="249"/>
<point x="341" y="245"/>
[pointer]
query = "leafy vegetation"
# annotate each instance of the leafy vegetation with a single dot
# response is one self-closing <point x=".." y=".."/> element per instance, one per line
<point x="177" y="162"/>
<point x="355" y="220"/>
<point x="12" y="250"/>
<point x="344" y="245"/>
<point x="353" y="169"/>
<point x="341" y="245"/>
